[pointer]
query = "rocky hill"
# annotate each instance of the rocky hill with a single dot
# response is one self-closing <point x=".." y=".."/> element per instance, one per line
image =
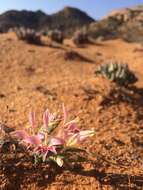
<point x="125" y="23"/>
<point x="68" y="20"/>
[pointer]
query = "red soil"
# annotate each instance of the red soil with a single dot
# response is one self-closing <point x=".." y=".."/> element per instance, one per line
<point x="39" y="77"/>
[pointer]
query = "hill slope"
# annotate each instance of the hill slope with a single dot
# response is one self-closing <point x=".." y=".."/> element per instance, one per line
<point x="125" y="23"/>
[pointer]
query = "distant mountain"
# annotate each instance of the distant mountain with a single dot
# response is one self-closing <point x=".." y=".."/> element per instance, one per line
<point x="68" y="20"/>
<point x="125" y="23"/>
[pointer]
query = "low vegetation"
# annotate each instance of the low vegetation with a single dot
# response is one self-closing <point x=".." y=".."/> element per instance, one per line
<point x="117" y="72"/>
<point x="80" y="38"/>
<point x="56" y="36"/>
<point x="28" y="35"/>
<point x="47" y="146"/>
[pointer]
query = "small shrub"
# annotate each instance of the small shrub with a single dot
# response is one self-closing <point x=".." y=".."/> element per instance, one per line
<point x="117" y="72"/>
<point x="72" y="55"/>
<point x="48" y="145"/>
<point x="44" y="33"/>
<point x="56" y="36"/>
<point x="28" y="35"/>
<point x="80" y="38"/>
<point x="75" y="56"/>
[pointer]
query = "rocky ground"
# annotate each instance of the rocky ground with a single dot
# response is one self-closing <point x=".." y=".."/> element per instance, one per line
<point x="40" y="77"/>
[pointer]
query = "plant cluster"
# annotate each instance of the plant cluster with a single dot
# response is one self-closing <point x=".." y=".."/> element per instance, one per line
<point x="56" y="35"/>
<point x="56" y="140"/>
<point x="117" y="72"/>
<point x="28" y="35"/>
<point x="80" y="38"/>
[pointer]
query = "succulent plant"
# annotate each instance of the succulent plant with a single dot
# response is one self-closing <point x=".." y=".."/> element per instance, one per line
<point x="28" y="35"/>
<point x="56" y="35"/>
<point x="117" y="72"/>
<point x="80" y="38"/>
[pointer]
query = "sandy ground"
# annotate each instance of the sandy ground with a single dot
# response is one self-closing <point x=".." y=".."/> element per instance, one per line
<point x="39" y="77"/>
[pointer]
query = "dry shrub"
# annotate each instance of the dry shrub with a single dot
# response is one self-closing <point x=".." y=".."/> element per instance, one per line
<point x="75" y="56"/>
<point x="56" y="35"/>
<point x="80" y="38"/>
<point x="72" y="55"/>
<point x="28" y="35"/>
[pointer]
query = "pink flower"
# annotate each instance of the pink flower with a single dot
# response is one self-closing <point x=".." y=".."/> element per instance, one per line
<point x="44" y="150"/>
<point x="46" y="118"/>
<point x="56" y="141"/>
<point x="71" y="135"/>
<point x="43" y="143"/>
<point x="21" y="134"/>
<point x="72" y="127"/>
<point x="79" y="137"/>
<point x="32" y="119"/>
<point x="25" y="137"/>
<point x="33" y="140"/>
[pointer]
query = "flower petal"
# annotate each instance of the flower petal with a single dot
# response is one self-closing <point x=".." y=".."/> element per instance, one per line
<point x="85" y="134"/>
<point x="46" y="118"/>
<point x="20" y="134"/>
<point x="73" y="127"/>
<point x="55" y="141"/>
<point x="32" y="119"/>
<point x="41" y="136"/>
<point x="33" y="140"/>
<point x="52" y="149"/>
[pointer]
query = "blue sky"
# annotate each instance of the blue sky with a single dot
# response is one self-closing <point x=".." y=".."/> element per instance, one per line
<point x="95" y="8"/>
